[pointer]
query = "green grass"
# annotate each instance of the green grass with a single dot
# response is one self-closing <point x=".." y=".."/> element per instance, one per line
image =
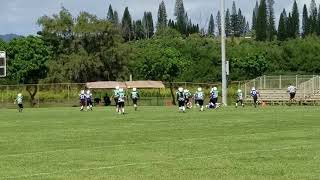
<point x="160" y="143"/>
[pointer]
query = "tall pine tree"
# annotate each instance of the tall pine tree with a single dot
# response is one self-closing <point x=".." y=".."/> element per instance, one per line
<point x="110" y="14"/>
<point x="139" y="30"/>
<point x="211" y="26"/>
<point x="218" y="22"/>
<point x="227" y="24"/>
<point x="115" y="18"/>
<point x="313" y="17"/>
<point x="148" y="26"/>
<point x="171" y="24"/>
<point x="271" y="22"/>
<point x="295" y="20"/>
<point x="241" y="24"/>
<point x="234" y="21"/>
<point x="134" y="30"/>
<point x="290" y="29"/>
<point x="180" y="14"/>
<point x="305" y="22"/>
<point x="261" y="26"/>
<point x="247" y="29"/>
<point x="162" y="16"/>
<point x="282" y="28"/>
<point x="126" y="25"/>
<point x="254" y="16"/>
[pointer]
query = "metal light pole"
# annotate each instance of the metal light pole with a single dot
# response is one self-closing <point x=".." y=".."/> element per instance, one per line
<point x="223" y="55"/>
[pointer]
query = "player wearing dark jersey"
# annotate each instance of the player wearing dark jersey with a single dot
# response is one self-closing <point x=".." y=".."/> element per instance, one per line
<point x="82" y="100"/>
<point x="135" y="97"/>
<point x="89" y="100"/>
<point x="214" y="94"/>
<point x="181" y="100"/>
<point x="188" y="95"/>
<point x="254" y="94"/>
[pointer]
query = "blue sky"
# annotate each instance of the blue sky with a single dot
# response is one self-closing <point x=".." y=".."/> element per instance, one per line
<point x="20" y="16"/>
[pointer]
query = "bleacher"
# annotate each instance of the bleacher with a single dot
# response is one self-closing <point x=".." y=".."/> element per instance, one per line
<point x="273" y="89"/>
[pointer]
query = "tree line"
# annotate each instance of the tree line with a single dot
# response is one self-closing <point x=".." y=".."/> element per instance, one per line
<point x="86" y="48"/>
<point x="262" y="28"/>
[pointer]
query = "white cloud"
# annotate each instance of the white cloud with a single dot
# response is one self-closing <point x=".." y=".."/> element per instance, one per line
<point x="20" y="16"/>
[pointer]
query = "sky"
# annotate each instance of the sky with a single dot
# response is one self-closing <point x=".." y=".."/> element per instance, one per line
<point x="20" y="16"/>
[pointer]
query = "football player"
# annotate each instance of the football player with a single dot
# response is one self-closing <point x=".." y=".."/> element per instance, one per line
<point x="89" y="100"/>
<point x="239" y="98"/>
<point x="82" y="100"/>
<point x="19" y="101"/>
<point x="214" y="96"/>
<point x="181" y="99"/>
<point x="135" y="97"/>
<point x="121" y="100"/>
<point x="199" y="97"/>
<point x="254" y="94"/>
<point x="115" y="97"/>
<point x="292" y="92"/>
<point x="188" y="95"/>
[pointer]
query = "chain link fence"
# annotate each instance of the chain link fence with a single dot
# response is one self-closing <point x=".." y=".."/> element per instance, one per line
<point x="308" y="86"/>
<point x="67" y="94"/>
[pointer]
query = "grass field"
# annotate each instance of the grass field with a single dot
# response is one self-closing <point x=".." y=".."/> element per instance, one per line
<point x="160" y="143"/>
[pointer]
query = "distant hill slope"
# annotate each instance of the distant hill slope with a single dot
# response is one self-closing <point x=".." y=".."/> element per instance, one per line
<point x="8" y="37"/>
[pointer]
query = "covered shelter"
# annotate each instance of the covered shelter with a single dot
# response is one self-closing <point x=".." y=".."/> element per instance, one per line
<point x="104" y="88"/>
<point x="146" y="85"/>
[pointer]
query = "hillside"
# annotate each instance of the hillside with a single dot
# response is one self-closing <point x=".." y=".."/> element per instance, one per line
<point x="8" y="37"/>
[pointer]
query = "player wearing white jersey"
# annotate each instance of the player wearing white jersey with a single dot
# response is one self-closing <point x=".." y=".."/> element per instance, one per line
<point x="19" y="101"/>
<point x="115" y="97"/>
<point x="89" y="100"/>
<point x="121" y="100"/>
<point x="292" y="92"/>
<point x="199" y="97"/>
<point x="239" y="98"/>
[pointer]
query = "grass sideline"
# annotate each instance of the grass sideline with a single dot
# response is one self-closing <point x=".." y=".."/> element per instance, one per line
<point x="160" y="143"/>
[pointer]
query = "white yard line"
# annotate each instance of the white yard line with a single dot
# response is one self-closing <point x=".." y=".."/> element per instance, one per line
<point x="150" y="163"/>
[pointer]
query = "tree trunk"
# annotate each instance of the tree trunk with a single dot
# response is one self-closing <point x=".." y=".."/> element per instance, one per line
<point x="172" y="94"/>
<point x="32" y="90"/>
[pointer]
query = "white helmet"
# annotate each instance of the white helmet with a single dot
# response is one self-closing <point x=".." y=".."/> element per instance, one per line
<point x="239" y="91"/>
<point x="180" y="89"/>
<point x="199" y="89"/>
<point x="82" y="92"/>
<point x="117" y="88"/>
<point x="253" y="88"/>
<point x="88" y="92"/>
<point x="19" y="95"/>
<point x="120" y="89"/>
<point x="215" y="88"/>
<point x="134" y="89"/>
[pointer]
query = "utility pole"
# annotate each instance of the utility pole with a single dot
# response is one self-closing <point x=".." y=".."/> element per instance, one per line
<point x="223" y="55"/>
